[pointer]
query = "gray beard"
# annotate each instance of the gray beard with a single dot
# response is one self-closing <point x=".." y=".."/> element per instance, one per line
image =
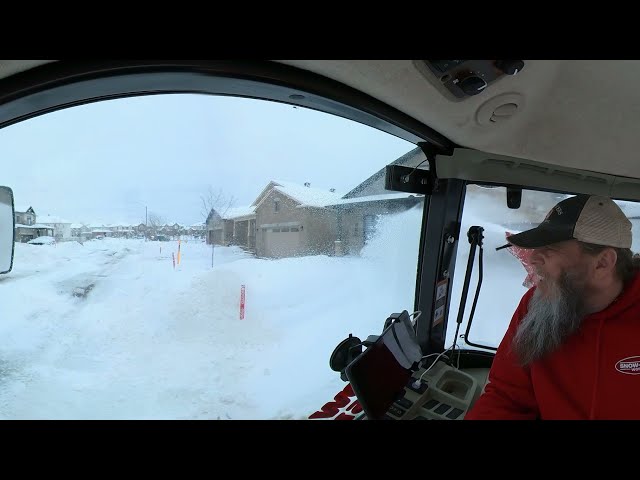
<point x="550" y="320"/>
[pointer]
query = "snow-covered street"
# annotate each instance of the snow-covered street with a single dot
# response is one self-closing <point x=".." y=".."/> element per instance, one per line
<point x="111" y="330"/>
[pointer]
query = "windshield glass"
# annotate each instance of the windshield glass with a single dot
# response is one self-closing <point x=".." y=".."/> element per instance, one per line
<point x="505" y="278"/>
<point x="196" y="257"/>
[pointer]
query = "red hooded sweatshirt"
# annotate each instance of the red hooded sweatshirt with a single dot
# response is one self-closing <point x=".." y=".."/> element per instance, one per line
<point x="595" y="374"/>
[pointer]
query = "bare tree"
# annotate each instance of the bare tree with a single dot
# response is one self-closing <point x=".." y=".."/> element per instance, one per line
<point x="217" y="201"/>
<point x="154" y="223"/>
<point x="156" y="220"/>
<point x="215" y="205"/>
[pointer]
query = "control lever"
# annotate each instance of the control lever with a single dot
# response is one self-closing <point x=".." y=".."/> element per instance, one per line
<point x="475" y="239"/>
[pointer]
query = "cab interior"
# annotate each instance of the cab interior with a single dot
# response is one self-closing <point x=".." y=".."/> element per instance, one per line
<point x="556" y="127"/>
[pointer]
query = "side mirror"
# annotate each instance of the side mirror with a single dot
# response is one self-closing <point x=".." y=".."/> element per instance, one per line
<point x="7" y="229"/>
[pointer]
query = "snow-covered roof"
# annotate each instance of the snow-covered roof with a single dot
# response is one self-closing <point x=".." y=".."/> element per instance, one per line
<point x="307" y="196"/>
<point x="116" y="224"/>
<point x="21" y="208"/>
<point x="35" y="226"/>
<point x="237" y="212"/>
<point x="78" y="225"/>
<point x="374" y="198"/>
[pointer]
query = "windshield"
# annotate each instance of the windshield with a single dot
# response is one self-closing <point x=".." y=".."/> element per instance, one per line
<point x="504" y="275"/>
<point x="196" y="257"/>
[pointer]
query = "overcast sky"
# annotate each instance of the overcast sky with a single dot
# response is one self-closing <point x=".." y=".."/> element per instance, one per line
<point x="104" y="162"/>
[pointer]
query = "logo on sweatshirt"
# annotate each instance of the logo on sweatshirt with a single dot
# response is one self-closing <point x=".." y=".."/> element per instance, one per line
<point x="629" y="365"/>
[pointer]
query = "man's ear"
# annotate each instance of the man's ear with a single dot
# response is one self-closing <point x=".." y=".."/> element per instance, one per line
<point x="606" y="262"/>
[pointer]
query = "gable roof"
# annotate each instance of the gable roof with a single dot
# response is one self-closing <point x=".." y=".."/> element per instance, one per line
<point x="23" y="209"/>
<point x="304" y="196"/>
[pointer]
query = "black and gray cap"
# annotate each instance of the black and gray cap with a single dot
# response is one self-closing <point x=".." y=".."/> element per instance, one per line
<point x="590" y="219"/>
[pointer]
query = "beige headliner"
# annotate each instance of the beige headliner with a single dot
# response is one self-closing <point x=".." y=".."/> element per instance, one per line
<point x="578" y="114"/>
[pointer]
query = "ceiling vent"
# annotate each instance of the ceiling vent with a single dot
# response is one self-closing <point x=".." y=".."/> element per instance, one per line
<point x="500" y="109"/>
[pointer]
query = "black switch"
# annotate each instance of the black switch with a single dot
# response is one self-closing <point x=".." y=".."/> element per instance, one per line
<point x="397" y="411"/>
<point x="404" y="402"/>
<point x="430" y="404"/>
<point x="442" y="408"/>
<point x="453" y="414"/>
<point x="510" y="67"/>
<point x="472" y="85"/>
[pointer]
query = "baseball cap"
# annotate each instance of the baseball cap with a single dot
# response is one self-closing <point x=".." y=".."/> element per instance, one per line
<point x="588" y="218"/>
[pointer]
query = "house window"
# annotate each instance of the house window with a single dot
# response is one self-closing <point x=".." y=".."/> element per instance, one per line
<point x="276" y="230"/>
<point x="284" y="229"/>
<point x="276" y="206"/>
<point x="294" y="229"/>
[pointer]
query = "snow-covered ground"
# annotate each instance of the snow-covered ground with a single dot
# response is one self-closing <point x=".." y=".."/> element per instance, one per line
<point x="111" y="330"/>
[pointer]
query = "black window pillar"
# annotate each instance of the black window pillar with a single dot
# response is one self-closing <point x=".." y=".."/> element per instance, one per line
<point x="438" y="244"/>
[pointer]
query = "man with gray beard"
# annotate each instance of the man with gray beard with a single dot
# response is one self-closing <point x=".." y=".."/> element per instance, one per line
<point x="572" y="349"/>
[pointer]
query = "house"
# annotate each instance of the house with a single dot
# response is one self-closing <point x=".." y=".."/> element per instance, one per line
<point x="235" y="226"/>
<point x="99" y="233"/>
<point x="288" y="219"/>
<point x="24" y="233"/>
<point x="26" y="227"/>
<point x="24" y="215"/>
<point x="293" y="220"/>
<point x="274" y="224"/>
<point x="198" y="230"/>
<point x="61" y="227"/>
<point x="243" y="226"/>
<point x="122" y="230"/>
<point x="80" y="231"/>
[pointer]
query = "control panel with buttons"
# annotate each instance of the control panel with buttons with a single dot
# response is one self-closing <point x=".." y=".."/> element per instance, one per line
<point x="462" y="79"/>
<point x="441" y="393"/>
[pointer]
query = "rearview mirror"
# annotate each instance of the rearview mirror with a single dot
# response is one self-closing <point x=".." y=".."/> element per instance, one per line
<point x="7" y="229"/>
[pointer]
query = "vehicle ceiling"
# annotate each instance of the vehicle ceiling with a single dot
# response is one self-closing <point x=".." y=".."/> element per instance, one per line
<point x="570" y="114"/>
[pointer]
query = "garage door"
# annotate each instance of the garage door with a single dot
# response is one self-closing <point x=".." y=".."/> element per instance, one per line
<point x="282" y="242"/>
